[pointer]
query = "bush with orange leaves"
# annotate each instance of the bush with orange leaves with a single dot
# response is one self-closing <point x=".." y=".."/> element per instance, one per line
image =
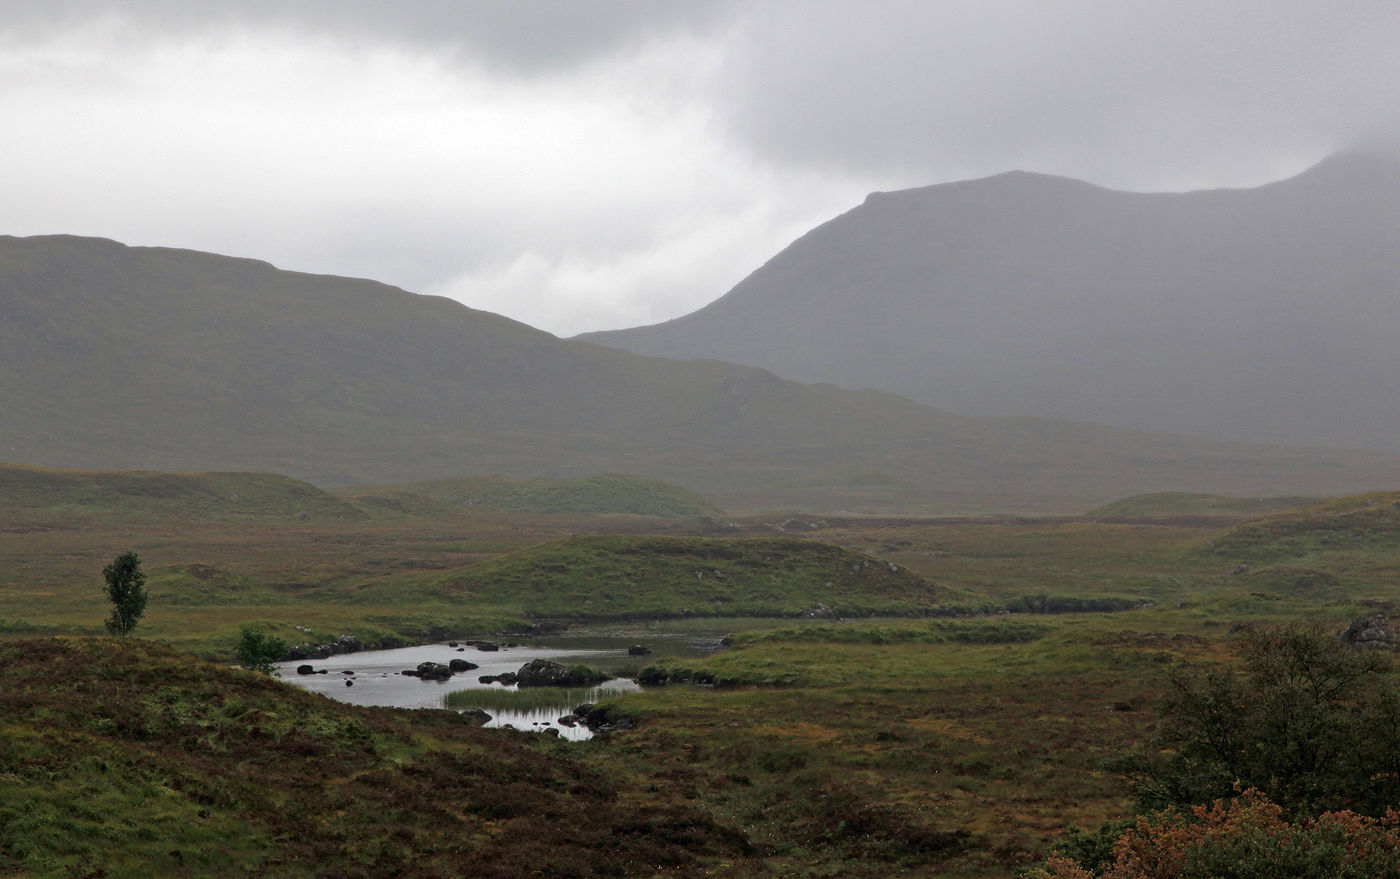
<point x="1246" y="838"/>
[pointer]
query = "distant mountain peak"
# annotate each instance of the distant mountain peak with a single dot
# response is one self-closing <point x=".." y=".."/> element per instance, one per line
<point x="1261" y="314"/>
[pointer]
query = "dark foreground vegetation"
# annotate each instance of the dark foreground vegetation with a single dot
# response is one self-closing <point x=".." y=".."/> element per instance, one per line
<point x="122" y="758"/>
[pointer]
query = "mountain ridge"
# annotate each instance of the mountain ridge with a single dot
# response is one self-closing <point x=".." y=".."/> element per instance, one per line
<point x="157" y="359"/>
<point x="1258" y="314"/>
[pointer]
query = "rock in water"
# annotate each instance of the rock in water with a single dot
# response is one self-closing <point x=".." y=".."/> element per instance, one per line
<point x="433" y="671"/>
<point x="548" y="673"/>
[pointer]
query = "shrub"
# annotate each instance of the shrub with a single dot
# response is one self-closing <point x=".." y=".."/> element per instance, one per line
<point x="257" y="650"/>
<point x="1246" y="838"/>
<point x="1312" y="722"/>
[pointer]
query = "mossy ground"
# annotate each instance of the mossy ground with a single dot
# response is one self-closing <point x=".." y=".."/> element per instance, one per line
<point x="884" y="747"/>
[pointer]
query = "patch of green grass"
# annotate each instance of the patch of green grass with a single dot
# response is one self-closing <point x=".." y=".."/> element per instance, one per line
<point x="85" y="495"/>
<point x="1362" y="524"/>
<point x="607" y="577"/>
<point x="1180" y="503"/>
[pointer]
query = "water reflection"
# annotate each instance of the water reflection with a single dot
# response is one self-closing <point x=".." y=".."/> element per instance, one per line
<point x="376" y="676"/>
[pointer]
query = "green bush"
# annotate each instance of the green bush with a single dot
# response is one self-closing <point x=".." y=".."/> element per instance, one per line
<point x="1311" y="722"/>
<point x="257" y="650"/>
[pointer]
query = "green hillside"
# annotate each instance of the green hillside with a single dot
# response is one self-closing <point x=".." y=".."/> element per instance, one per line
<point x="1351" y="526"/>
<point x="604" y="493"/>
<point x="613" y="577"/>
<point x="207" y="497"/>
<point x="1180" y="503"/>
<point x="115" y="357"/>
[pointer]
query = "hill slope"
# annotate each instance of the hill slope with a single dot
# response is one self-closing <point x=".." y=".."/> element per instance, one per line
<point x="604" y="493"/>
<point x="208" y="497"/>
<point x="149" y="358"/>
<point x="1263" y="315"/>
<point x="650" y="577"/>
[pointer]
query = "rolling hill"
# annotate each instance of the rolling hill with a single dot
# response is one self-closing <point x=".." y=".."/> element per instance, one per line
<point x="1260" y="315"/>
<point x="115" y="357"/>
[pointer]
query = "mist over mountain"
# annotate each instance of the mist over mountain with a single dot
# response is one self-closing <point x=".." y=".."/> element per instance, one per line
<point x="1264" y="315"/>
<point x="161" y="359"/>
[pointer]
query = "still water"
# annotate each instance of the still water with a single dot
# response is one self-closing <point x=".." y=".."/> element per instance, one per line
<point x="378" y="680"/>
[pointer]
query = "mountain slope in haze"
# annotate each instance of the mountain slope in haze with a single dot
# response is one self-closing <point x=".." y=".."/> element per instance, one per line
<point x="158" y="359"/>
<point x="604" y="493"/>
<point x="1262" y="315"/>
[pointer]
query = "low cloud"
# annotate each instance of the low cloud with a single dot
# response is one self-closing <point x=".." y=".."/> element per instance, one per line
<point x="586" y="166"/>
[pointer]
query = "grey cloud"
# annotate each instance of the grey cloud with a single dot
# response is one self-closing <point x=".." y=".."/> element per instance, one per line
<point x="1122" y="87"/>
<point x="541" y="35"/>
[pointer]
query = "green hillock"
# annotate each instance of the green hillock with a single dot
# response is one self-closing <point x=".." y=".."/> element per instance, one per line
<point x="1366" y="524"/>
<point x="608" y="577"/>
<point x="148" y="493"/>
<point x="1181" y="503"/>
<point x="604" y="493"/>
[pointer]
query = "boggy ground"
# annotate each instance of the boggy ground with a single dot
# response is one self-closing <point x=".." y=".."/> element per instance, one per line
<point x="870" y="748"/>
<point x="122" y="758"/>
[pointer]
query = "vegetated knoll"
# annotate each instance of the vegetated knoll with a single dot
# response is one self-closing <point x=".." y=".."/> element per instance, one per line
<point x="1264" y="314"/>
<point x="604" y="493"/>
<point x="1178" y="504"/>
<point x="121" y="758"/>
<point x="1351" y="525"/>
<point x="658" y="577"/>
<point x="120" y="357"/>
<point x="1344" y="549"/>
<point x="210" y="497"/>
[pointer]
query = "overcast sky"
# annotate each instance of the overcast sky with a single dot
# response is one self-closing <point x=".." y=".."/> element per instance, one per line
<point x="588" y="165"/>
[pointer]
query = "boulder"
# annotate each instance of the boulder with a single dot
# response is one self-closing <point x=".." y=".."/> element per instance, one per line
<point x="305" y="670"/>
<point x="478" y="715"/>
<point x="295" y="653"/>
<point x="349" y="683"/>
<point x="487" y="646"/>
<point x="433" y="671"/>
<point x="506" y="680"/>
<point x="638" y="650"/>
<point x="1375" y="631"/>
<point x="548" y="673"/>
<point x="451" y="643"/>
<point x="461" y="665"/>
<point x="348" y="644"/>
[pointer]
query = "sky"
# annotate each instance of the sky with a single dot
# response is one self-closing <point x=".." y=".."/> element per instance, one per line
<point x="587" y="165"/>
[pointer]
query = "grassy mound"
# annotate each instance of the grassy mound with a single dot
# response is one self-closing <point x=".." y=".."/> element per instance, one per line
<point x="616" y="577"/>
<point x="603" y="493"/>
<point x="1368" y="523"/>
<point x="121" y="758"/>
<point x="1181" y="503"/>
<point x="148" y="493"/>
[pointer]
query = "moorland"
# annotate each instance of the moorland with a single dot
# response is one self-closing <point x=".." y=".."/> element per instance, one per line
<point x="956" y="713"/>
